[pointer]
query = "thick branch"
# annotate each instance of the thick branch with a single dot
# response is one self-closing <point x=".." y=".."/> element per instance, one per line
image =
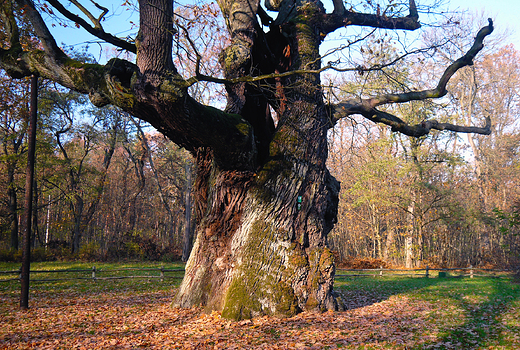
<point x="398" y="125"/>
<point x="14" y="60"/>
<point x="367" y="107"/>
<point x="339" y="7"/>
<point x="413" y="10"/>
<point x="97" y="30"/>
<point x="7" y="16"/>
<point x="424" y="127"/>
<point x="341" y="17"/>
<point x="40" y="28"/>
<point x="165" y="104"/>
<point x="440" y="90"/>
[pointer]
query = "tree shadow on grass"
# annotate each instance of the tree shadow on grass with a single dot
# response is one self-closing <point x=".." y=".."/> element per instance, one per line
<point x="358" y="292"/>
<point x="483" y="310"/>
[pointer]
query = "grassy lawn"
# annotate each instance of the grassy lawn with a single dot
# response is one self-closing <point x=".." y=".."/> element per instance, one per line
<point x="64" y="283"/>
<point x="381" y="313"/>
<point x="466" y="313"/>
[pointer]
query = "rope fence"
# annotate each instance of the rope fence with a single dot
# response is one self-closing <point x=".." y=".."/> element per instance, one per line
<point x="426" y="272"/>
<point x="98" y="274"/>
<point x="162" y="273"/>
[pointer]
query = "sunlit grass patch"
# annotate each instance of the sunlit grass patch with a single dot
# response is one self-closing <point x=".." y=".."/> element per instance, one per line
<point x="464" y="312"/>
<point x="65" y="281"/>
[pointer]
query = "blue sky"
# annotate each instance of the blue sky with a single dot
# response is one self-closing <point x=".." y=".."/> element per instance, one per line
<point x="504" y="12"/>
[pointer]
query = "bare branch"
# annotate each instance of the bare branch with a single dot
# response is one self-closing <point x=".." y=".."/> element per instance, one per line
<point x="87" y="13"/>
<point x="104" y="9"/>
<point x="440" y="90"/>
<point x="95" y="21"/>
<point x="330" y="66"/>
<point x="97" y="30"/>
<point x="194" y="47"/>
<point x="367" y="107"/>
<point x="341" y="17"/>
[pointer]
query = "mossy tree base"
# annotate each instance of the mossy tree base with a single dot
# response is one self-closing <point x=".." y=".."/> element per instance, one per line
<point x="261" y="270"/>
<point x="259" y="250"/>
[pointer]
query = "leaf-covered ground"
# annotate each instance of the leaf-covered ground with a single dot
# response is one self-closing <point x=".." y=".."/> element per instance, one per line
<point x="394" y="314"/>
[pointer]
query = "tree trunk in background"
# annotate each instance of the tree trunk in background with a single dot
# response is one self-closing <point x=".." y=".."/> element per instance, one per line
<point x="78" y="214"/>
<point x="188" y="229"/>
<point x="13" y="208"/>
<point x="389" y="240"/>
<point x="408" y="241"/>
<point x="47" y="221"/>
<point x="35" y="239"/>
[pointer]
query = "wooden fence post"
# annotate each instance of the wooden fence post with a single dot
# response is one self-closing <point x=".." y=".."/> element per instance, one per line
<point x="427" y="272"/>
<point x="162" y="273"/>
<point x="380" y="271"/>
<point x="94" y="273"/>
<point x="470" y="271"/>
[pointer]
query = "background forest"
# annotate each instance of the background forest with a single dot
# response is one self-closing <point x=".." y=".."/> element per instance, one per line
<point x="110" y="187"/>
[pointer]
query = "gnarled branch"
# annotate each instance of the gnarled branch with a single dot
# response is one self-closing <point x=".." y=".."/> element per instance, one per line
<point x="11" y="28"/>
<point x="342" y="17"/>
<point x="96" y="30"/>
<point x="440" y="90"/>
<point x="367" y="107"/>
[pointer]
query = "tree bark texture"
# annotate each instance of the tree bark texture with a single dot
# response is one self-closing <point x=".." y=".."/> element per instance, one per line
<point x="267" y="254"/>
<point x="13" y="207"/>
<point x="264" y="198"/>
<point x="188" y="229"/>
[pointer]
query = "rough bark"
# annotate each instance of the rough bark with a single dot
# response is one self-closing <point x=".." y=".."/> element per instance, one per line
<point x="13" y="207"/>
<point x="188" y="229"/>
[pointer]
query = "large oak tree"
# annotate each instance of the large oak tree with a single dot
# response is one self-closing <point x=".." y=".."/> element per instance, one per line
<point x="265" y="198"/>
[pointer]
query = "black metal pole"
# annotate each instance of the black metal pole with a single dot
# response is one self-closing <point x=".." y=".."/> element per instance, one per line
<point x="26" y="249"/>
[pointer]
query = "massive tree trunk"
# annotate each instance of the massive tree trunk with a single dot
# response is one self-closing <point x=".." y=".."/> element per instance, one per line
<point x="261" y="247"/>
<point x="264" y="197"/>
<point x="258" y="249"/>
<point x="256" y="252"/>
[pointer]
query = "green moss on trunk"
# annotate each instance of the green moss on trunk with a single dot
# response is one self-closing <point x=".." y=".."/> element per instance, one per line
<point x="262" y="283"/>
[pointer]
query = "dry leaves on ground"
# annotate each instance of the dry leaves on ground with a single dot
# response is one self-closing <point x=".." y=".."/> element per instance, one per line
<point x="119" y="321"/>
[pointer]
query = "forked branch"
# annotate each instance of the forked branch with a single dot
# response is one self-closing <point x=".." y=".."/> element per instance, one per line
<point x="341" y="17"/>
<point x="96" y="30"/>
<point x="367" y="107"/>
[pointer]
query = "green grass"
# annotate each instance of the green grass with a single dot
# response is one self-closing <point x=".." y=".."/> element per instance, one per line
<point x="64" y="282"/>
<point x="467" y="313"/>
